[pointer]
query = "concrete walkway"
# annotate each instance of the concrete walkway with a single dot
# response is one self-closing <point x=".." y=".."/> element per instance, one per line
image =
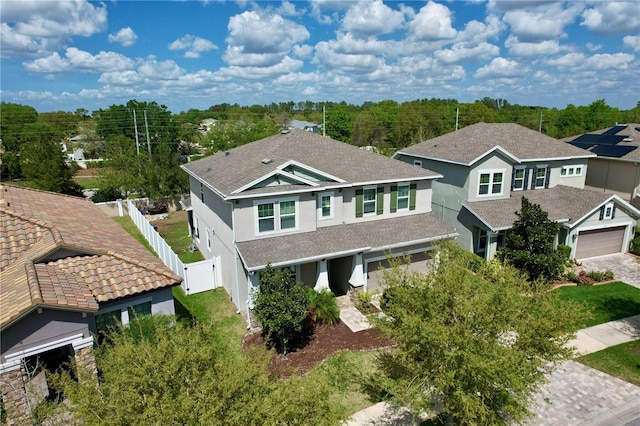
<point x="576" y="395"/>
<point x="350" y="315"/>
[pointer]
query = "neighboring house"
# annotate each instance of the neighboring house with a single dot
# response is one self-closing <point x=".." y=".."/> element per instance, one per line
<point x="303" y="125"/>
<point x="207" y="124"/>
<point x="616" y="169"/>
<point x="488" y="168"/>
<point x="67" y="272"/>
<point x="329" y="212"/>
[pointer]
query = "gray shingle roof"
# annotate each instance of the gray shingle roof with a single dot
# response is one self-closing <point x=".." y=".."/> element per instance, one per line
<point x="563" y="203"/>
<point x="363" y="236"/>
<point x="471" y="143"/>
<point x="228" y="172"/>
<point x="632" y="131"/>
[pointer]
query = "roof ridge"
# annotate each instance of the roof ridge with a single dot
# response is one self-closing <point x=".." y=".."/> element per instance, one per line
<point x="144" y="265"/>
<point x="57" y="236"/>
<point x="34" y="285"/>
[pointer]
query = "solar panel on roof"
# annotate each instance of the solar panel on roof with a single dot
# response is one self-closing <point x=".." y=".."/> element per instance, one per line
<point x="614" y="130"/>
<point x="587" y="138"/>
<point x="581" y="145"/>
<point x="603" y="139"/>
<point x="616" y="151"/>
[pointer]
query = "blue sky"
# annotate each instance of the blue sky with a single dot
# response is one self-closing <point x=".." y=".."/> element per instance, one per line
<point x="64" y="55"/>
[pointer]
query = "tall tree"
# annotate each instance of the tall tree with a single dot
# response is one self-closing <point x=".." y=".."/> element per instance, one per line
<point x="15" y="118"/>
<point x="473" y="346"/>
<point x="530" y="244"/>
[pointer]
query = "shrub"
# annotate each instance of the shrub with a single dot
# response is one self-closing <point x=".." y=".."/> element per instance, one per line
<point x="323" y="307"/>
<point x="608" y="274"/>
<point x="363" y="302"/>
<point x="634" y="246"/>
<point x="571" y="276"/>
<point x="106" y="194"/>
<point x="596" y="276"/>
<point x="564" y="251"/>
<point x="584" y="279"/>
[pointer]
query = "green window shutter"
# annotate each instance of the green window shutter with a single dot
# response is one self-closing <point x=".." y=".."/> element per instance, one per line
<point x="394" y="199"/>
<point x="412" y="196"/>
<point x="380" y="200"/>
<point x="359" y="202"/>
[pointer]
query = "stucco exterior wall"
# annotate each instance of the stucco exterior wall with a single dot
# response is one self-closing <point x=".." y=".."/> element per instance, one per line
<point x="494" y="163"/>
<point x="37" y="329"/>
<point x="615" y="177"/>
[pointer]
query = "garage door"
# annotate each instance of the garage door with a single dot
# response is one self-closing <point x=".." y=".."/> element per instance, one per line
<point x="375" y="269"/>
<point x="600" y="242"/>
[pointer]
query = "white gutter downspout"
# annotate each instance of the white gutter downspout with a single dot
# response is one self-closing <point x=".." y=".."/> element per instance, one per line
<point x="235" y="264"/>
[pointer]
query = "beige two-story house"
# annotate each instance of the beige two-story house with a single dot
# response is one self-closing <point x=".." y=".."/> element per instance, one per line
<point x="329" y="212"/>
<point x="488" y="167"/>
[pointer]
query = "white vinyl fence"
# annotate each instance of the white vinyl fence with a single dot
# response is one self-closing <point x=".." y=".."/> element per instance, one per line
<point x="197" y="277"/>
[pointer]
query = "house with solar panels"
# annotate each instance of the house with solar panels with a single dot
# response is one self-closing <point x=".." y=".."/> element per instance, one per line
<point x="328" y="212"/>
<point x="488" y="167"/>
<point x="616" y="167"/>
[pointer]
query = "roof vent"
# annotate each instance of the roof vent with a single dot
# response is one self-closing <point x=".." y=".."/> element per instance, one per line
<point x="227" y="153"/>
<point x="266" y="160"/>
<point x="627" y="140"/>
<point x="284" y="132"/>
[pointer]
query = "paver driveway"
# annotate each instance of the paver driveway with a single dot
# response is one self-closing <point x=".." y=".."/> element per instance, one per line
<point x="626" y="267"/>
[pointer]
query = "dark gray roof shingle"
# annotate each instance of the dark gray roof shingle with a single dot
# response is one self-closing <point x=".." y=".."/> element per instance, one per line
<point x="229" y="171"/>
<point x="471" y="143"/>
<point x="375" y="235"/>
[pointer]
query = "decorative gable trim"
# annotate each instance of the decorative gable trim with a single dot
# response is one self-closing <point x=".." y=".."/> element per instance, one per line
<point x="274" y="173"/>
<point x="618" y="202"/>
<point x="311" y="169"/>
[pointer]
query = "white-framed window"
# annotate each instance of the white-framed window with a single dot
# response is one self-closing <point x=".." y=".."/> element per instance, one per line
<point x="276" y="215"/>
<point x="403" y="197"/>
<point x="369" y="200"/>
<point x="490" y="182"/>
<point x="208" y="232"/>
<point x="567" y="171"/>
<point x="518" y="179"/>
<point x="325" y="205"/>
<point x="541" y="177"/>
<point x="196" y="227"/>
<point x="608" y="211"/>
<point x="417" y="163"/>
<point x="202" y="192"/>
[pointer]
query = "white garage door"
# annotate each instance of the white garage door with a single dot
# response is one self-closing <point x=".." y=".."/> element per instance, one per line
<point x="600" y="242"/>
<point x="375" y="269"/>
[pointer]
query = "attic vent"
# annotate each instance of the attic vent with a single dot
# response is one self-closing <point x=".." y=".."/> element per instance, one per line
<point x="266" y="160"/>
<point x="627" y="140"/>
<point x="227" y="153"/>
<point x="284" y="132"/>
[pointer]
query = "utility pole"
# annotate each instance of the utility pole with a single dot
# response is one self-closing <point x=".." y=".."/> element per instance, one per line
<point x="146" y="125"/>
<point x="135" y="124"/>
<point x="540" y="125"/>
<point x="457" y="115"/>
<point x="324" y="121"/>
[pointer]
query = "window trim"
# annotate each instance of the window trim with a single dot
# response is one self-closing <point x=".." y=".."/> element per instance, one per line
<point x="480" y="238"/>
<point x="545" y="184"/>
<point x="277" y="225"/>
<point x="523" y="178"/>
<point x="196" y="227"/>
<point x="571" y="171"/>
<point x="491" y="173"/>
<point x="375" y="201"/>
<point x="321" y="207"/>
<point x="208" y="233"/>
<point x="610" y="207"/>
<point x="407" y="197"/>
<point x="202" y="192"/>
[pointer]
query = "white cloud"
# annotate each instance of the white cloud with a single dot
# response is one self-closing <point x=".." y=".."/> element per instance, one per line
<point x="78" y="60"/>
<point x="39" y="27"/>
<point x="126" y="37"/>
<point x="501" y="68"/>
<point x="632" y="42"/>
<point x="261" y="39"/>
<point x="530" y="50"/>
<point x="608" y="61"/>
<point x="346" y="43"/>
<point x="593" y="47"/>
<point x="477" y="32"/>
<point x="345" y="62"/>
<point x="193" y="46"/>
<point x="468" y="52"/>
<point x="433" y="22"/>
<point x="542" y="23"/>
<point x="368" y="19"/>
<point x="257" y="73"/>
<point x="612" y="18"/>
<point x="507" y="5"/>
<point x="570" y="60"/>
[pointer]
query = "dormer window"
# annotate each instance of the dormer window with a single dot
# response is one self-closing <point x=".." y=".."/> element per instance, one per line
<point x="608" y="211"/>
<point x="490" y="182"/>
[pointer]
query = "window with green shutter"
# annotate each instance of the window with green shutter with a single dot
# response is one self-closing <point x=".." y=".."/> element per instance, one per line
<point x="412" y="196"/>
<point x="380" y="200"/>
<point x="394" y="199"/>
<point x="359" y="202"/>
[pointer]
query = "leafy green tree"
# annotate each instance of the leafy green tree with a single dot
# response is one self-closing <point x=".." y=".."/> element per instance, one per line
<point x="122" y="169"/>
<point x="281" y="307"/>
<point x="156" y="373"/>
<point x="14" y="119"/>
<point x="42" y="161"/>
<point x="530" y="244"/>
<point x="475" y="347"/>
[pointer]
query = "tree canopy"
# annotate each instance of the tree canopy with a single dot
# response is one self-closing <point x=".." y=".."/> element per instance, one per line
<point x="474" y="346"/>
<point x="530" y="244"/>
<point x="153" y="372"/>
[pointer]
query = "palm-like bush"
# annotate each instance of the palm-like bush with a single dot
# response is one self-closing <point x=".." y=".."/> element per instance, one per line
<point x="323" y="307"/>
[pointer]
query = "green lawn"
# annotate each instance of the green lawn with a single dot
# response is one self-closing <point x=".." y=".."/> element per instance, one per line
<point x="131" y="228"/>
<point x="606" y="302"/>
<point x="622" y="361"/>
<point x="175" y="231"/>
<point x="87" y="182"/>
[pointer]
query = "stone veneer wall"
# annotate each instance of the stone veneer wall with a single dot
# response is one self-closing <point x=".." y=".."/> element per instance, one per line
<point x="85" y="361"/>
<point x="14" y="397"/>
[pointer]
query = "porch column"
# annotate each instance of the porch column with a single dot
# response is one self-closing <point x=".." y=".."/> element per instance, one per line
<point x="357" y="271"/>
<point x="14" y="396"/>
<point x="85" y="361"/>
<point x="322" y="278"/>
<point x="492" y="243"/>
<point x="253" y="283"/>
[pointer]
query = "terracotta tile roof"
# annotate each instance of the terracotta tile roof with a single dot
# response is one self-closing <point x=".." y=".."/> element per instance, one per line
<point x="471" y="143"/>
<point x="63" y="251"/>
<point x="363" y="236"/>
<point x="232" y="170"/>
<point x="563" y="204"/>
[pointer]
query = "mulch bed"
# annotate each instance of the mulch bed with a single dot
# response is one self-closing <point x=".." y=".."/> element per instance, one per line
<point x="325" y="342"/>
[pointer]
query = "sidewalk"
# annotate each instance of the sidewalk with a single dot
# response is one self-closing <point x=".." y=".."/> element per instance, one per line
<point x="613" y="402"/>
